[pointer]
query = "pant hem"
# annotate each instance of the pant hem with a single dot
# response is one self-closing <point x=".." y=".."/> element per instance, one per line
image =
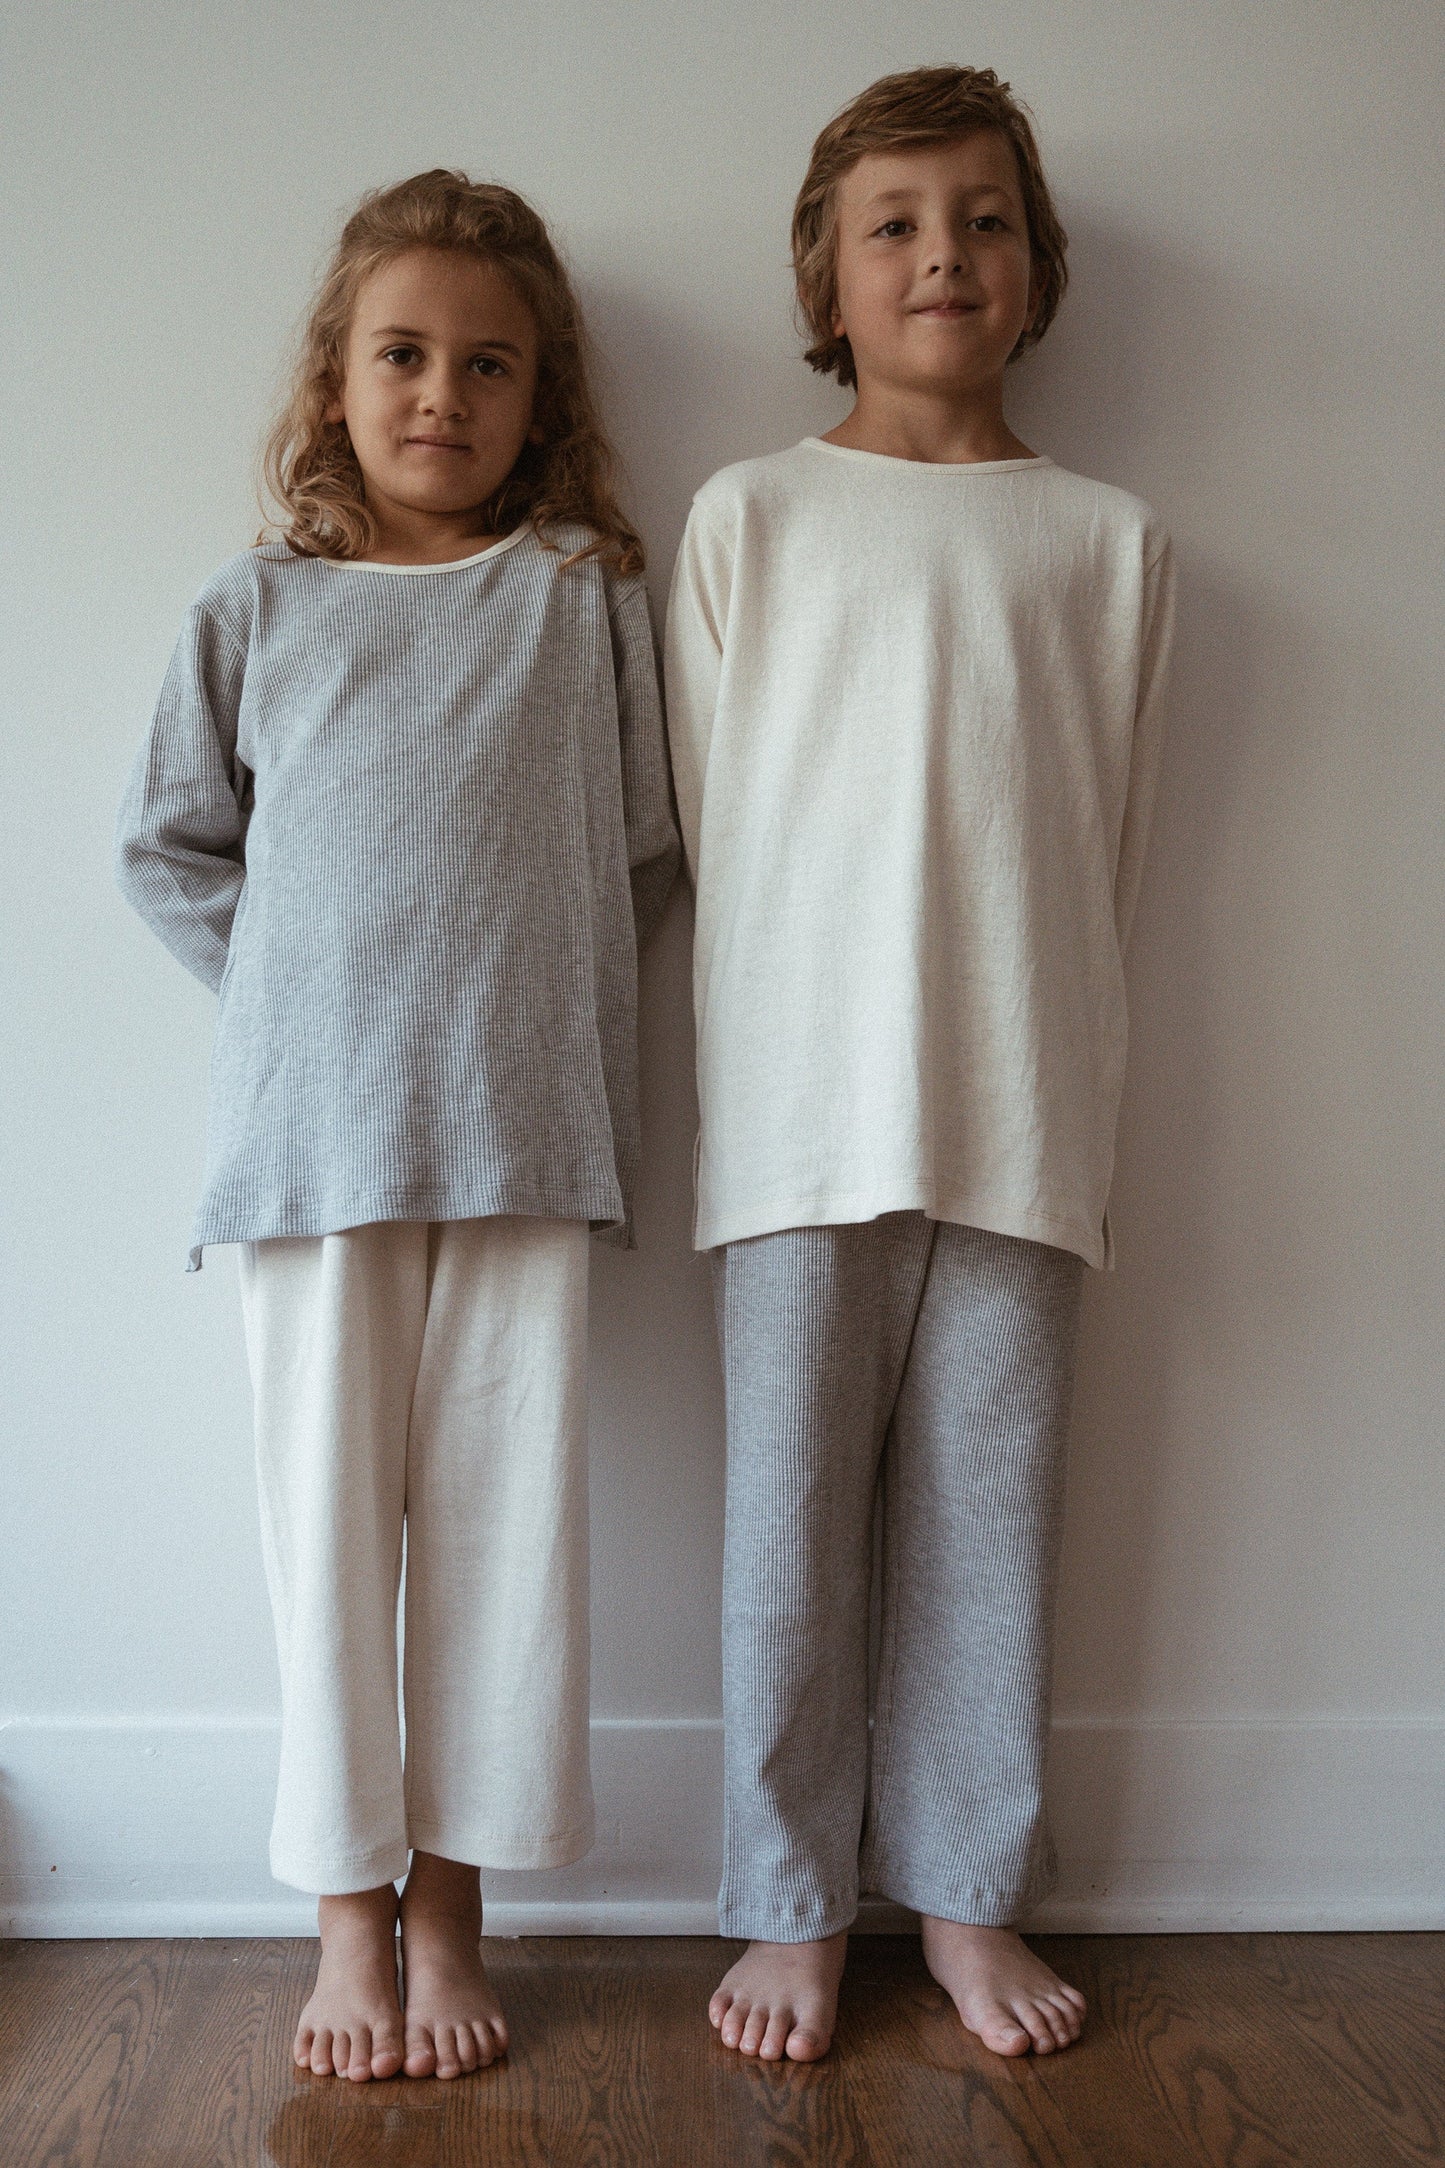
<point x="506" y="1853"/>
<point x="343" y="1876"/>
<point x="966" y="1908"/>
<point x="754" y="1927"/>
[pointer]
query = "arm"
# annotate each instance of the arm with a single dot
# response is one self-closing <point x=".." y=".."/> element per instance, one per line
<point x="1148" y="738"/>
<point x="652" y="846"/>
<point x="180" y="840"/>
<point x="696" y="621"/>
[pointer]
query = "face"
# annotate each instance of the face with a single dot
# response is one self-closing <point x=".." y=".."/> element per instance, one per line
<point x="933" y="264"/>
<point x="441" y="374"/>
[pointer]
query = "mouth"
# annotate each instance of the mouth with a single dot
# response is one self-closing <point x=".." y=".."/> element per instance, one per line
<point x="439" y="444"/>
<point x="948" y="310"/>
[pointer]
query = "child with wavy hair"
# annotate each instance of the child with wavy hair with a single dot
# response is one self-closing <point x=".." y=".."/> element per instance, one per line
<point x="915" y="677"/>
<point x="404" y="805"/>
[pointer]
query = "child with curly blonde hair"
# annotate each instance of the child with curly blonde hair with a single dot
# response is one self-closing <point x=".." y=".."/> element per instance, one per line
<point x="404" y="805"/>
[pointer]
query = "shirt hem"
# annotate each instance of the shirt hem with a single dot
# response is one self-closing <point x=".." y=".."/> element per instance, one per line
<point x="713" y="1229"/>
<point x="602" y="1212"/>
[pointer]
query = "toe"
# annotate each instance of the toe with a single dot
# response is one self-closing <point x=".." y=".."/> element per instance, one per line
<point x="719" y="2007"/>
<point x="321" y="2053"/>
<point x="421" y="2056"/>
<point x="358" y="2061"/>
<point x="1001" y="2031"/>
<point x="448" y="2061"/>
<point x="774" y="2041"/>
<point x="754" y="2031"/>
<point x="484" y="2042"/>
<point x="734" y="2018"/>
<point x="466" y="2047"/>
<point x="1064" y="2019"/>
<point x="804" y="2045"/>
<point x="501" y="2038"/>
<point x="301" y="2047"/>
<point x="385" y="2055"/>
<point x="1036" y="2025"/>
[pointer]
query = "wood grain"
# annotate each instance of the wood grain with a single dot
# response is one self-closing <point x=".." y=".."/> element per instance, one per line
<point x="1210" y="2051"/>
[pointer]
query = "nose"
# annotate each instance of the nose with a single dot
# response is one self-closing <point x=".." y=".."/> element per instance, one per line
<point x="442" y="394"/>
<point x="946" y="258"/>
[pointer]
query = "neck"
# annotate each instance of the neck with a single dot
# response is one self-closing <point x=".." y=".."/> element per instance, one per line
<point x="405" y="537"/>
<point x="945" y="428"/>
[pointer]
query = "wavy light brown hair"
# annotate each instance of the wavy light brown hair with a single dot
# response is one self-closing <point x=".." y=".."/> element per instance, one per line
<point x="309" y="466"/>
<point x="901" y="112"/>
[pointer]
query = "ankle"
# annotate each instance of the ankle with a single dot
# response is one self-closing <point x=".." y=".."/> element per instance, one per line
<point x="438" y="1888"/>
<point x="359" y="1914"/>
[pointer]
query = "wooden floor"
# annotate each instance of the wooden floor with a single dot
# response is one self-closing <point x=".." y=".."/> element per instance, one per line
<point x="1251" y="2050"/>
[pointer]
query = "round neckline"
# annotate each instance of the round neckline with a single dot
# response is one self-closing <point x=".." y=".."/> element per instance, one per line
<point x="453" y="564"/>
<point x="931" y="466"/>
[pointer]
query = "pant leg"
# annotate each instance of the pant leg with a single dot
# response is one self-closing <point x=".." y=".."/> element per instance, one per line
<point x="814" y="1325"/>
<point x="972" y="1494"/>
<point x="496" y="1685"/>
<point x="333" y="1331"/>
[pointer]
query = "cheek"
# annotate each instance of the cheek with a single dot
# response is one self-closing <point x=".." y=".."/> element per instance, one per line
<point x="864" y="293"/>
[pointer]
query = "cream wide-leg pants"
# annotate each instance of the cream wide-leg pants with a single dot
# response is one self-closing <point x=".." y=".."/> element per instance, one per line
<point x="431" y="1377"/>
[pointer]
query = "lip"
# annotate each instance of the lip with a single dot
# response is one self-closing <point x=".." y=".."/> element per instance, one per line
<point x="440" y="444"/>
<point x="948" y="308"/>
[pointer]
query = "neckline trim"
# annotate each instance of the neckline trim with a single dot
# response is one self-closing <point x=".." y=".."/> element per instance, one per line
<point x="453" y="564"/>
<point x="930" y="466"/>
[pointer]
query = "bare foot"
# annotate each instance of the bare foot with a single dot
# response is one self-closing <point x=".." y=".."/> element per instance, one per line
<point x="351" y="2027"/>
<point x="781" y="1998"/>
<point x="454" y="2021"/>
<point x="1002" y="1991"/>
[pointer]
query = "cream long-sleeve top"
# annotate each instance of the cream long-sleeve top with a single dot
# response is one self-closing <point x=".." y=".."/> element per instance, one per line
<point x="410" y="822"/>
<point x="914" y="714"/>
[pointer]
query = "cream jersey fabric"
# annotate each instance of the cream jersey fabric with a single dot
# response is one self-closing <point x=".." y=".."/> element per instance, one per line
<point x="915" y="717"/>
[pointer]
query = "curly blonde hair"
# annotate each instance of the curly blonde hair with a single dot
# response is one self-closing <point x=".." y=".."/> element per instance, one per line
<point x="899" y="112"/>
<point x="309" y="466"/>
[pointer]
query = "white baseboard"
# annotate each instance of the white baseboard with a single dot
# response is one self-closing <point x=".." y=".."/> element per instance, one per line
<point x="140" y="1826"/>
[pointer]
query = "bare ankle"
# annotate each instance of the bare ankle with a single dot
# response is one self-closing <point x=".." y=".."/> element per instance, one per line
<point x="362" y="1912"/>
<point x="445" y="1887"/>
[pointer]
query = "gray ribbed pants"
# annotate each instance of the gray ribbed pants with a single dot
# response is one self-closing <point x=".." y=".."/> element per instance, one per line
<point x="945" y="1354"/>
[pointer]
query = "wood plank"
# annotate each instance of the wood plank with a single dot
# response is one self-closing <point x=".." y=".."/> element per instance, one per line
<point x="1251" y="2050"/>
<point x="1207" y="2029"/>
<point x="1176" y="2031"/>
<point x="82" y="2023"/>
<point x="1098" y="2088"/>
<point x="225" y="2070"/>
<point x="1365" y="2016"/>
<point x="928" y="2090"/>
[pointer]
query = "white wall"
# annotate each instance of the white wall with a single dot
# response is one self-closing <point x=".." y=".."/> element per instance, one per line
<point x="1252" y="1723"/>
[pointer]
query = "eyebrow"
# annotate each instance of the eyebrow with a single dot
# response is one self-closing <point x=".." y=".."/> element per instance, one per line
<point x="909" y="195"/>
<point x="404" y="331"/>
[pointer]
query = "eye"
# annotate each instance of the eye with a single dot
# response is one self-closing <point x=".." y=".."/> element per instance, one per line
<point x="402" y="356"/>
<point x="488" y="365"/>
<point x="989" y="222"/>
<point x="891" y="228"/>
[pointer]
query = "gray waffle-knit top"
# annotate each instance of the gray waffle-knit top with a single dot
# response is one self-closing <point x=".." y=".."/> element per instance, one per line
<point x="411" y="824"/>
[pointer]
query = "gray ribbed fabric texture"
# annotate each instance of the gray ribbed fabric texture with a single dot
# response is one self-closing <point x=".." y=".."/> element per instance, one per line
<point x="945" y="1354"/>
<point x="411" y="827"/>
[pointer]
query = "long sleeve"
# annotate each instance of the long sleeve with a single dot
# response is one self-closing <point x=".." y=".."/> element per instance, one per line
<point x="696" y="620"/>
<point x="652" y="842"/>
<point x="180" y="837"/>
<point x="1148" y="738"/>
